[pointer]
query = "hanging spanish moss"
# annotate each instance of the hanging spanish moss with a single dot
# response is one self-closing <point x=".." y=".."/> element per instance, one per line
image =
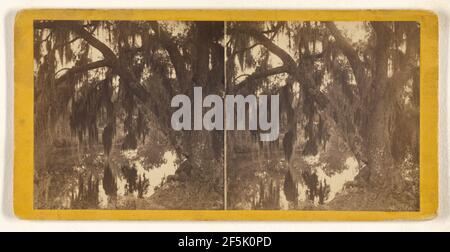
<point x="349" y="103"/>
<point x="131" y="176"/>
<point x="107" y="138"/>
<point x="109" y="181"/>
<point x="142" y="186"/>
<point x="290" y="188"/>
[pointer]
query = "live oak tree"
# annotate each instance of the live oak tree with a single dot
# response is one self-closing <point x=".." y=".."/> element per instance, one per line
<point x="111" y="78"/>
<point x="365" y="91"/>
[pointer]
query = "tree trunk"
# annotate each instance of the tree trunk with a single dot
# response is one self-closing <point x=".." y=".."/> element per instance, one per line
<point x="378" y="140"/>
<point x="380" y="111"/>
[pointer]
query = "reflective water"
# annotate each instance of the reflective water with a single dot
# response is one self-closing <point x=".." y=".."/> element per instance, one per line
<point x="90" y="182"/>
<point x="335" y="181"/>
<point x="308" y="183"/>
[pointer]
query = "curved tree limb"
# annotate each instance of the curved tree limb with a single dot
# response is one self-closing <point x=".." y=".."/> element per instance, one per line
<point x="126" y="75"/>
<point x="272" y="47"/>
<point x="176" y="58"/>
<point x="289" y="66"/>
<point x="245" y="49"/>
<point x="111" y="60"/>
<point x="248" y="86"/>
<point x="83" y="68"/>
<point x="94" y="42"/>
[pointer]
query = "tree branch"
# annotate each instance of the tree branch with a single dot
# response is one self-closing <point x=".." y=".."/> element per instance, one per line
<point x="248" y="86"/>
<point x="83" y="68"/>
<point x="176" y="58"/>
<point x="127" y="76"/>
<point x="245" y="49"/>
<point x="289" y="66"/>
<point x="271" y="46"/>
<point x="110" y="59"/>
<point x="349" y="52"/>
<point x="93" y="41"/>
<point x="82" y="32"/>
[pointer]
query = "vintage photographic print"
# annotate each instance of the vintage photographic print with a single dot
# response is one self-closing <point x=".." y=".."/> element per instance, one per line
<point x="227" y="115"/>
<point x="349" y="115"/>
<point x="103" y="134"/>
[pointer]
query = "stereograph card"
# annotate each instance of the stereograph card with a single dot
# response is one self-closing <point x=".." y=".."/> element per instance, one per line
<point x="226" y="115"/>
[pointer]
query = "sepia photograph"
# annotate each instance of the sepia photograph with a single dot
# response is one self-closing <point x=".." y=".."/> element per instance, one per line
<point x="231" y="117"/>
<point x="102" y="115"/>
<point x="348" y="115"/>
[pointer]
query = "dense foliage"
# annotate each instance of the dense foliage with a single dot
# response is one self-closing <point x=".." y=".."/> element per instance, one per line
<point x="357" y="81"/>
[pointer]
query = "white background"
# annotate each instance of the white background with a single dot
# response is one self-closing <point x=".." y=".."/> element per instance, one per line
<point x="8" y="222"/>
